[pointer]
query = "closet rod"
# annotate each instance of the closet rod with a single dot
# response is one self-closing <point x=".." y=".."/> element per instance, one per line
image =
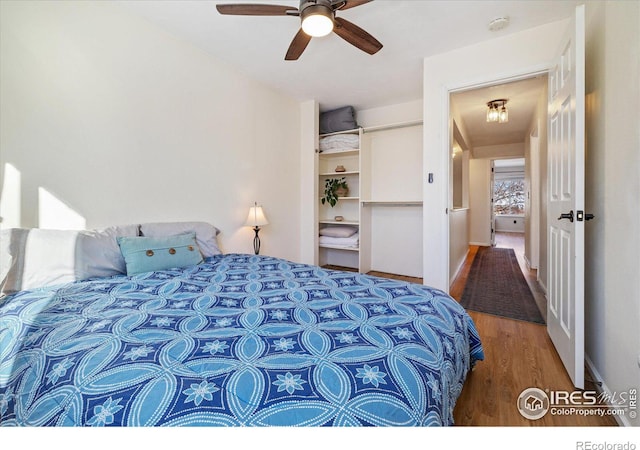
<point x="391" y="203"/>
<point x="392" y="126"/>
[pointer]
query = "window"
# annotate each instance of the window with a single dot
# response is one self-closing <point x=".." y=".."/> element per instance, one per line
<point x="508" y="196"/>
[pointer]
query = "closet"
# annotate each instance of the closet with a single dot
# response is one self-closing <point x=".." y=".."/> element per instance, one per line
<point x="384" y="203"/>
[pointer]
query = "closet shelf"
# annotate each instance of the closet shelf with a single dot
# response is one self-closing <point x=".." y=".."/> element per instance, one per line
<point x="353" y="131"/>
<point x="342" y="222"/>
<point x="350" y="152"/>
<point x="338" y="247"/>
<point x="345" y="198"/>
<point x="334" y="174"/>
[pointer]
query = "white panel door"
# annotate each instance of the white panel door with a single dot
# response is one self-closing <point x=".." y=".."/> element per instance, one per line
<point x="565" y="308"/>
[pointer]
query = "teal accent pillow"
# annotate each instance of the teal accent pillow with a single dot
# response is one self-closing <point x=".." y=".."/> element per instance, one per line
<point x="148" y="254"/>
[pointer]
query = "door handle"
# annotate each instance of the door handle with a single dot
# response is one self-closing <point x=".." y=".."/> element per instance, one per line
<point x="568" y="215"/>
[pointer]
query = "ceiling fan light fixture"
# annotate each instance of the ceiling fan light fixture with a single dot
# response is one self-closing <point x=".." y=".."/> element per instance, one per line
<point x="317" y="20"/>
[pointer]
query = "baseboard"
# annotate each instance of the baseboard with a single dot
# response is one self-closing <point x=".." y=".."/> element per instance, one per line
<point x="481" y="244"/>
<point x="623" y="421"/>
<point x="455" y="274"/>
<point x="543" y="288"/>
<point x="528" y="263"/>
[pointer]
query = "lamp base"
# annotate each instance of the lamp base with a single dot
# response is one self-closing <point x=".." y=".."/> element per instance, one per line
<point x="256" y="241"/>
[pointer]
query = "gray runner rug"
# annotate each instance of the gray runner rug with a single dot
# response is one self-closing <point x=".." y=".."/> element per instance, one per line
<point x="497" y="286"/>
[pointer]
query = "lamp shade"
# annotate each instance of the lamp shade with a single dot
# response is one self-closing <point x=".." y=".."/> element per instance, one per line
<point x="256" y="217"/>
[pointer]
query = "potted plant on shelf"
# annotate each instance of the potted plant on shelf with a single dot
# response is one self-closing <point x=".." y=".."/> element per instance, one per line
<point x="334" y="188"/>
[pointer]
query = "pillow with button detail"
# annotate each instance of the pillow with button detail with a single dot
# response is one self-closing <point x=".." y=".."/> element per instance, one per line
<point x="149" y="254"/>
<point x="206" y="234"/>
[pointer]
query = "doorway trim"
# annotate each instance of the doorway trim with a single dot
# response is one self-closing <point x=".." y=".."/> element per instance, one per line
<point x="534" y="194"/>
<point x="447" y="91"/>
<point x="522" y="53"/>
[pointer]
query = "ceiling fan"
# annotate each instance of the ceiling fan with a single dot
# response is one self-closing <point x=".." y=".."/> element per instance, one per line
<point x="318" y="18"/>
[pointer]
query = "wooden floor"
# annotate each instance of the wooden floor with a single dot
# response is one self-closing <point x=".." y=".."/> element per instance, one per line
<point x="518" y="355"/>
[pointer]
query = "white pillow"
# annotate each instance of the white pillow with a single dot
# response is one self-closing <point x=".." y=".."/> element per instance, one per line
<point x="342" y="231"/>
<point x="12" y="244"/>
<point x="49" y="258"/>
<point x="206" y="234"/>
<point x="33" y="258"/>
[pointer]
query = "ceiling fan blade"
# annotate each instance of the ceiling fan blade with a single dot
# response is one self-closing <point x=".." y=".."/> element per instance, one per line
<point x="254" y="9"/>
<point x="356" y="36"/>
<point x="299" y="43"/>
<point x="351" y="4"/>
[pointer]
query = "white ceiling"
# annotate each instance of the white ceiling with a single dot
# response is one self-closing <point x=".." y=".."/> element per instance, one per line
<point x="332" y="71"/>
<point x="522" y="99"/>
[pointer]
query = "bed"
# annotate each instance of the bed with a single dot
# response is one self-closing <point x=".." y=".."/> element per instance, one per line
<point x="236" y="340"/>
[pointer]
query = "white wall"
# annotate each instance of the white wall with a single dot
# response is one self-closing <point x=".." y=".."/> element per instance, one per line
<point x="499" y="59"/>
<point x="457" y="179"/>
<point x="479" y="202"/>
<point x="385" y="115"/>
<point x="124" y="123"/>
<point x="535" y="247"/>
<point x="309" y="125"/>
<point x="510" y="224"/>
<point x="459" y="240"/>
<point x="515" y="150"/>
<point x="612" y="252"/>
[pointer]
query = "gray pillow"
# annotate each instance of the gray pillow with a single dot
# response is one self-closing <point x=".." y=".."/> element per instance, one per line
<point x="340" y="119"/>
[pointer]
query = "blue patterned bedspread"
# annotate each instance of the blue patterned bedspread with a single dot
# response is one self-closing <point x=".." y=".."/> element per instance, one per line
<point x="237" y="340"/>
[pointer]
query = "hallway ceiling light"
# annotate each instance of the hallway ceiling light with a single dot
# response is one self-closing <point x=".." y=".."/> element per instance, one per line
<point x="497" y="111"/>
